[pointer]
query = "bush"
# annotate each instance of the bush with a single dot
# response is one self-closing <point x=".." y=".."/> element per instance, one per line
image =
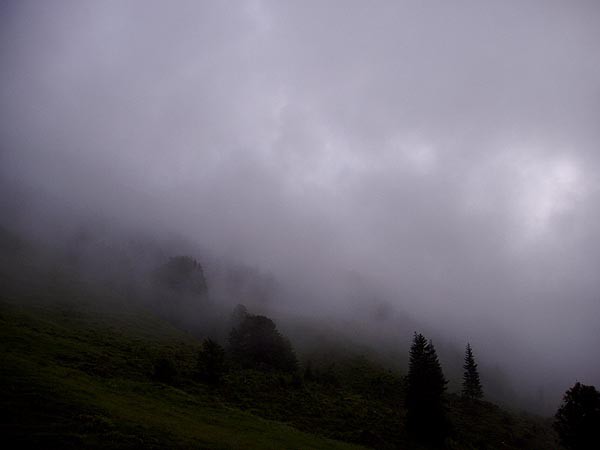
<point x="578" y="418"/>
<point x="211" y="362"/>
<point x="257" y="344"/>
<point x="182" y="275"/>
<point x="164" y="371"/>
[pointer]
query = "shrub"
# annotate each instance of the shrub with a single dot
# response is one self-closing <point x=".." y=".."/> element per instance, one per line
<point x="211" y="362"/>
<point x="257" y="344"/>
<point x="164" y="371"/>
<point x="578" y="418"/>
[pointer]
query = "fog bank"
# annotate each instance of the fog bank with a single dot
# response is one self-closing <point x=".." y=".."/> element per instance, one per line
<point x="443" y="158"/>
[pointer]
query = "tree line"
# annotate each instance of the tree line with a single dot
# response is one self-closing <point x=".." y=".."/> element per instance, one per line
<point x="577" y="420"/>
<point x="255" y="343"/>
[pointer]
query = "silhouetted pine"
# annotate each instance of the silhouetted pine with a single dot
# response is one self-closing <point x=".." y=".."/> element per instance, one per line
<point x="425" y="393"/>
<point x="471" y="385"/>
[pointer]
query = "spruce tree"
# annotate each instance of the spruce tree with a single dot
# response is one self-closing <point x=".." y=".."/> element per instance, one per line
<point x="425" y="394"/>
<point x="471" y="385"/>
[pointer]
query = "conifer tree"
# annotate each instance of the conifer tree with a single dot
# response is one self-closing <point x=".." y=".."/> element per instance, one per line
<point x="425" y="393"/>
<point x="471" y="385"/>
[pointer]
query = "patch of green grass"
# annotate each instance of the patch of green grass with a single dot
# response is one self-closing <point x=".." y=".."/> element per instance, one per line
<point x="73" y="378"/>
<point x="483" y="425"/>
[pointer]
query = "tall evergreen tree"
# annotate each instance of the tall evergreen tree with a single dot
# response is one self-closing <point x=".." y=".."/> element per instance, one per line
<point x="471" y="387"/>
<point x="425" y="394"/>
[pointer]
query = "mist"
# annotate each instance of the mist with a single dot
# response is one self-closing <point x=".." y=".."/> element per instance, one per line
<point x="438" y="159"/>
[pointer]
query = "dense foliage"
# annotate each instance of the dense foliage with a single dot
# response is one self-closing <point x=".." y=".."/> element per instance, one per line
<point x="255" y="343"/>
<point x="578" y="418"/>
<point x="182" y="275"/>
<point x="211" y="362"/>
<point x="164" y="370"/>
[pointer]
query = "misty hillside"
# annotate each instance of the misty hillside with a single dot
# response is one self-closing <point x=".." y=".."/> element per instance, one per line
<point x="80" y="359"/>
<point x="300" y="224"/>
<point x="77" y="372"/>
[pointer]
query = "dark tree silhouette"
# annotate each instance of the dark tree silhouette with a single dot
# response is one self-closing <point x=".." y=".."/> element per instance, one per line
<point x="578" y="418"/>
<point x="183" y="275"/>
<point x="211" y="362"/>
<point x="425" y="393"/>
<point x="256" y="343"/>
<point x="240" y="312"/>
<point x="179" y="290"/>
<point x="471" y="387"/>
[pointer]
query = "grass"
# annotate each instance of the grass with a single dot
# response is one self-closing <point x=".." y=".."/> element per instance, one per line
<point x="76" y="372"/>
<point x="78" y="376"/>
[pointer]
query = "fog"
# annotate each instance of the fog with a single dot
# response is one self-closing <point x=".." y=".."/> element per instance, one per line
<point x="440" y="158"/>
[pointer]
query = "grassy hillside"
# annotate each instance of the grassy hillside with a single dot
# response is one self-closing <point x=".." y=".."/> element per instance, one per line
<point x="76" y="376"/>
<point x="77" y="372"/>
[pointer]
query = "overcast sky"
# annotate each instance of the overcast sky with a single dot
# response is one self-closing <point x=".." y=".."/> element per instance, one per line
<point x="446" y="151"/>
